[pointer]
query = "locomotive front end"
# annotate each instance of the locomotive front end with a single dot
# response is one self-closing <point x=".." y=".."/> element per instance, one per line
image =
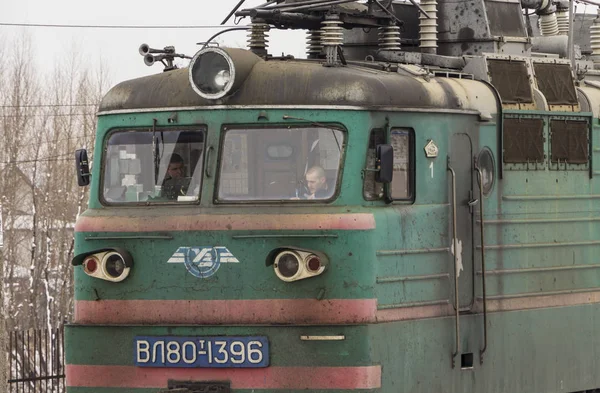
<point x="219" y="252"/>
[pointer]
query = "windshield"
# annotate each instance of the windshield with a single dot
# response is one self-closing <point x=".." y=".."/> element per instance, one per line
<point x="153" y="166"/>
<point x="295" y="164"/>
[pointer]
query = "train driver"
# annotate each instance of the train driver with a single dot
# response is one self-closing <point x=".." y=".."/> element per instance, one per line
<point x="175" y="168"/>
<point x="316" y="183"/>
<point x="175" y="184"/>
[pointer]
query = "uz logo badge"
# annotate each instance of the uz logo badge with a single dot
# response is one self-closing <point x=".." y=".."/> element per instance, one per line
<point x="202" y="262"/>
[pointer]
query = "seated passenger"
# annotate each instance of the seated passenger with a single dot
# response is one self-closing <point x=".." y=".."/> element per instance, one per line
<point x="175" y="184"/>
<point x="316" y="183"/>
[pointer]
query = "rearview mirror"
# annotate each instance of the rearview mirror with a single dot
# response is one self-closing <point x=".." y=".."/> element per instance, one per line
<point x="83" y="168"/>
<point x="384" y="164"/>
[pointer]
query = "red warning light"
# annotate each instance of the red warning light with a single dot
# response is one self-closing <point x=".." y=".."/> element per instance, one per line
<point x="90" y="265"/>
<point x="314" y="264"/>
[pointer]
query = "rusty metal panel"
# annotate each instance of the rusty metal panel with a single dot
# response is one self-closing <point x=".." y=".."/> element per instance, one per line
<point x="512" y="81"/>
<point x="556" y="83"/>
<point x="569" y="141"/>
<point x="523" y="140"/>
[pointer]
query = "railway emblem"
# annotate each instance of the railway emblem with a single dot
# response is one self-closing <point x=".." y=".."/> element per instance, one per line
<point x="202" y="262"/>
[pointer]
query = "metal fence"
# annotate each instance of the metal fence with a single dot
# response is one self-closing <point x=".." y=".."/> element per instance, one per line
<point x="36" y="361"/>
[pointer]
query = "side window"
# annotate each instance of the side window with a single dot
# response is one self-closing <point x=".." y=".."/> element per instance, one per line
<point x="371" y="189"/>
<point x="401" y="185"/>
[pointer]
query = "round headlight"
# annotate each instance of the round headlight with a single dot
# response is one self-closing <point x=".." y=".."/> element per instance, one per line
<point x="114" y="265"/>
<point x="287" y="265"/>
<point x="212" y="73"/>
<point x="222" y="79"/>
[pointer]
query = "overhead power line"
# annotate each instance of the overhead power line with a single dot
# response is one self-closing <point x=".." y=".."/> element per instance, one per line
<point x="45" y="105"/>
<point x="48" y="115"/>
<point x="51" y="142"/>
<point x="60" y="157"/>
<point x="40" y="160"/>
<point x="113" y="26"/>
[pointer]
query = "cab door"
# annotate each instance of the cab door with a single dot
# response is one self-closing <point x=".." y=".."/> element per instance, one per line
<point x="463" y="205"/>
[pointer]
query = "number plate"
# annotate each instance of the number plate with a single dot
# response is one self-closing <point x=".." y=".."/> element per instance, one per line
<point x="157" y="351"/>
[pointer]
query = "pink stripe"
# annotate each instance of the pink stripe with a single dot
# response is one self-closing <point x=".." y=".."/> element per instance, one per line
<point x="360" y="221"/>
<point x="492" y="306"/>
<point x="410" y="313"/>
<point x="368" y="377"/>
<point x="220" y="312"/>
<point x="542" y="301"/>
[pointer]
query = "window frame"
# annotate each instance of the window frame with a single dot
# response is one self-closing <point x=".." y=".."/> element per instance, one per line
<point x="411" y="163"/>
<point x="201" y="128"/>
<point x="321" y="125"/>
<point x="368" y="168"/>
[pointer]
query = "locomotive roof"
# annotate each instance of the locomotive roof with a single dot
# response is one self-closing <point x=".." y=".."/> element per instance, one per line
<point x="304" y="83"/>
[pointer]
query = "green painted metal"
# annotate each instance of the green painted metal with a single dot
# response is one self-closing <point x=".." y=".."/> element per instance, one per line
<point x="541" y="238"/>
<point x="529" y="351"/>
<point x="287" y="349"/>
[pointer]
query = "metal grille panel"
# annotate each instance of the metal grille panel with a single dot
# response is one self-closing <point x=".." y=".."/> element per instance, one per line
<point x="523" y="140"/>
<point x="511" y="80"/>
<point x="505" y="19"/>
<point x="569" y="141"/>
<point x="556" y="83"/>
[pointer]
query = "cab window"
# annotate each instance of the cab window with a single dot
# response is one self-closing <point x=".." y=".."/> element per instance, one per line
<point x="373" y="190"/>
<point x="280" y="164"/>
<point x="401" y="185"/>
<point x="161" y="166"/>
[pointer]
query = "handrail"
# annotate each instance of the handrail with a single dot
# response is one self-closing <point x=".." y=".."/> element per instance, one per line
<point x="481" y="223"/>
<point x="455" y="251"/>
<point x="207" y="171"/>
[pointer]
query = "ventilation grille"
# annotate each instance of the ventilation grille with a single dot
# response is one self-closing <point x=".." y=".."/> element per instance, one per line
<point x="511" y="80"/>
<point x="505" y="19"/>
<point x="569" y="141"/>
<point x="556" y="83"/>
<point x="523" y="140"/>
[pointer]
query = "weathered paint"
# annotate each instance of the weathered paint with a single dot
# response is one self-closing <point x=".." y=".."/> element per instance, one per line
<point x="218" y="312"/>
<point x="541" y="238"/>
<point x="296" y="83"/>
<point x="350" y="378"/>
<point x="243" y="222"/>
<point x="287" y="312"/>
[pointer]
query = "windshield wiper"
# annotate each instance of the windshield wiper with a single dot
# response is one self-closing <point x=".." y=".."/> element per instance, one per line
<point x="314" y="123"/>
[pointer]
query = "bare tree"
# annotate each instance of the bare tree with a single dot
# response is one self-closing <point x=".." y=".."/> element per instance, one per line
<point x="43" y="120"/>
<point x="19" y="107"/>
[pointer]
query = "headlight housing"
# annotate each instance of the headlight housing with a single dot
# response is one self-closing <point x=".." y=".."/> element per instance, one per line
<point x="217" y="72"/>
<point x="293" y="265"/>
<point x="106" y="264"/>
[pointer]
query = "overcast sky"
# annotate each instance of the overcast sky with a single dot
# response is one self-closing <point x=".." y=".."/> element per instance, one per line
<point x="118" y="48"/>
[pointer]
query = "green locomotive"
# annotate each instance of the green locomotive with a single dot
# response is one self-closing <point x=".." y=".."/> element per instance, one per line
<point x="414" y="211"/>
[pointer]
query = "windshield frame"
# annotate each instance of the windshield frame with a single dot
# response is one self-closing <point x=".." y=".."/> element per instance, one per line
<point x="201" y="128"/>
<point x="335" y="126"/>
